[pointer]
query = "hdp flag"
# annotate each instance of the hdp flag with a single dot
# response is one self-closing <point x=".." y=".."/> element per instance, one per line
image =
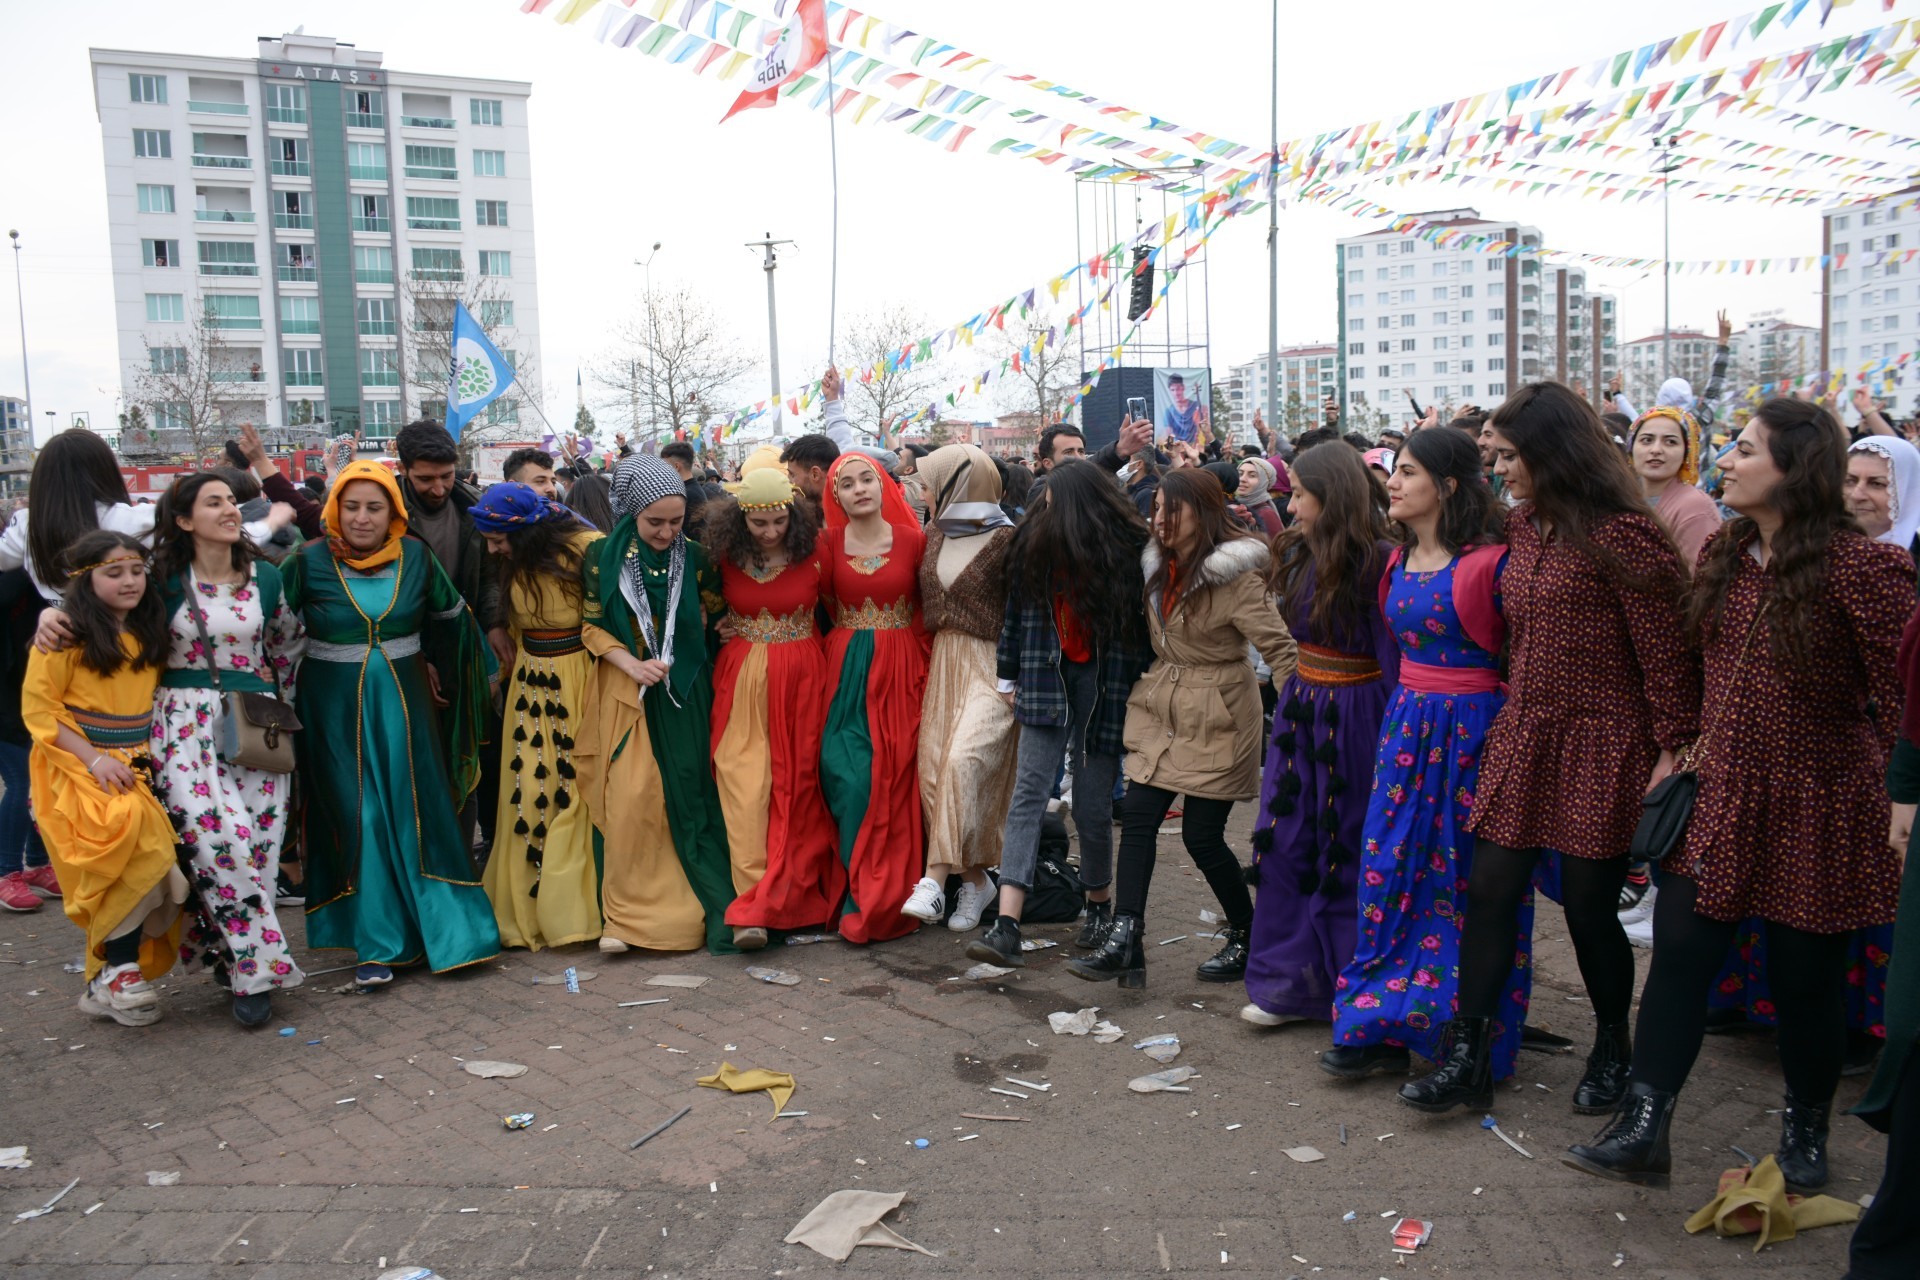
<point x="801" y="45"/>
<point x="479" y="374"/>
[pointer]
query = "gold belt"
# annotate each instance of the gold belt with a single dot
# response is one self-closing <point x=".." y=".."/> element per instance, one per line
<point x="765" y="628"/>
<point x="896" y="616"/>
<point x="1330" y="667"/>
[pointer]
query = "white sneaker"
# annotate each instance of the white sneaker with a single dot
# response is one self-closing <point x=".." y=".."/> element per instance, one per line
<point x="610" y="945"/>
<point x="1640" y="932"/>
<point x="1259" y="1017"/>
<point x="927" y="902"/>
<point x="968" y="904"/>
<point x="123" y="994"/>
<point x="1641" y="911"/>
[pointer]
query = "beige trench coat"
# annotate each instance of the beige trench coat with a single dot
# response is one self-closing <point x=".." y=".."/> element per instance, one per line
<point x="1193" y="721"/>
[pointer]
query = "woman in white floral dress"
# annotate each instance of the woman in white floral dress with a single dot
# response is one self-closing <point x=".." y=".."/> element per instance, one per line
<point x="231" y="819"/>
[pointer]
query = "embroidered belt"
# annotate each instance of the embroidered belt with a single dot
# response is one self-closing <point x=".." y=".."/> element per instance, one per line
<point x="107" y="732"/>
<point x="765" y="628"/>
<point x="398" y="647"/>
<point x="869" y="616"/>
<point x="1331" y="668"/>
<point x="552" y="644"/>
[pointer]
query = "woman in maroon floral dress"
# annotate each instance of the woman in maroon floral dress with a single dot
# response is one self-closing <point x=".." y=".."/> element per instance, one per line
<point x="1798" y="616"/>
<point x="1604" y="691"/>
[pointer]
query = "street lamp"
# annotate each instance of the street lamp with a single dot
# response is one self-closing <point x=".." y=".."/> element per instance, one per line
<point x="1667" y="163"/>
<point x="646" y="266"/>
<point x="20" y="297"/>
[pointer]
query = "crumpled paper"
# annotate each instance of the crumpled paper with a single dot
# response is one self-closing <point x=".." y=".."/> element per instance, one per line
<point x="1073" y="1024"/>
<point x="14" y="1158"/>
<point x="1172" y="1080"/>
<point x="1756" y="1202"/>
<point x="728" y="1077"/>
<point x="495" y="1070"/>
<point x="846" y="1220"/>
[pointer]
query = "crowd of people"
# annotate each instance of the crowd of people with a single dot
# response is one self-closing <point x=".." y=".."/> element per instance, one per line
<point x="847" y="690"/>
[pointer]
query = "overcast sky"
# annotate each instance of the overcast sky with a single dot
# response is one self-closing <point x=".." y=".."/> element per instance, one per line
<point x="627" y="150"/>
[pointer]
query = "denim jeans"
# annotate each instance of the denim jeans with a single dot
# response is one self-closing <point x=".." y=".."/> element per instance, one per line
<point x="1042" y="748"/>
<point x="20" y="845"/>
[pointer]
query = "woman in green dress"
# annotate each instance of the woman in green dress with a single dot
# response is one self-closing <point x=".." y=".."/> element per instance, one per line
<point x="390" y="742"/>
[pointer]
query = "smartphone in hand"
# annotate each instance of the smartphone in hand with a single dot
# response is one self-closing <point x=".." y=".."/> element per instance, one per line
<point x="1137" y="408"/>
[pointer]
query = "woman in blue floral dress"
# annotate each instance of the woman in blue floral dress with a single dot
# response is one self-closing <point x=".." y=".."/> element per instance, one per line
<point x="1441" y="598"/>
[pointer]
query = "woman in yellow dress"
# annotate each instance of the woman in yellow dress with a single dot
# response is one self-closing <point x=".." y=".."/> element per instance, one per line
<point x="89" y="708"/>
<point x="540" y="876"/>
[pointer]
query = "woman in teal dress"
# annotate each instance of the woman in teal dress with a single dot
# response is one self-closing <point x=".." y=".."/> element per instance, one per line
<point x="389" y="747"/>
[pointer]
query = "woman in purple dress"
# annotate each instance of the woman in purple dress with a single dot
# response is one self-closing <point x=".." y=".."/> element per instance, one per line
<point x="1441" y="598"/>
<point x="1306" y="841"/>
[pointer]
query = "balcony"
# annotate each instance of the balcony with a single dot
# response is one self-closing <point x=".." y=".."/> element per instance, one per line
<point x="366" y="120"/>
<point x="433" y="171"/>
<point x="305" y="378"/>
<point x="298" y="275"/>
<point x="367" y="172"/>
<point x="299" y="326"/>
<point x="201" y="160"/>
<point x="292" y="169"/>
<point x="238" y="375"/>
<point x="454" y="274"/>
<point x="427" y="122"/>
<point x="293" y="221"/>
<point x="378" y="329"/>
<point x="216" y="321"/>
<point x="373" y="275"/>
<point x="217" y="108"/>
<point x="286" y="115"/>
<point x="230" y="268"/>
<point x="379" y="377"/>
<point x="417" y="223"/>
<point x="382" y="225"/>
<point x="223" y="215"/>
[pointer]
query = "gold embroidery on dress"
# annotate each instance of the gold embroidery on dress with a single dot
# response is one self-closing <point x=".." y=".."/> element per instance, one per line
<point x="765" y="628"/>
<point x="764" y="574"/>
<point x="877" y="617"/>
<point x="868" y="565"/>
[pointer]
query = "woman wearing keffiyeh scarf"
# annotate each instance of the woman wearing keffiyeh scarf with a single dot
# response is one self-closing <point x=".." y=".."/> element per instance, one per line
<point x="642" y="750"/>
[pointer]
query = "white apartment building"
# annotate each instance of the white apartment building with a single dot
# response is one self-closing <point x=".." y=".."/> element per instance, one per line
<point x="1675" y="353"/>
<point x="1770" y="349"/>
<point x="1870" y="311"/>
<point x="16" y="446"/>
<point x="1307" y="374"/>
<point x="298" y="225"/>
<point x="1454" y="326"/>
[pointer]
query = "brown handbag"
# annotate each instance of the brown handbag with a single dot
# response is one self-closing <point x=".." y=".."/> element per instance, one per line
<point x="256" y="729"/>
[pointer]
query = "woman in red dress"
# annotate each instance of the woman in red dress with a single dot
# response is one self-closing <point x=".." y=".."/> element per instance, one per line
<point x="1604" y="691"/>
<point x="1799" y="617"/>
<point x="770" y="710"/>
<point x="877" y="665"/>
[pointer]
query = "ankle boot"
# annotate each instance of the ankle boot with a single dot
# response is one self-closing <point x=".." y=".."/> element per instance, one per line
<point x="1000" y="944"/>
<point x="1605" y="1082"/>
<point x="1357" y="1062"/>
<point x="1229" y="963"/>
<point x="1464" y="1077"/>
<point x="1803" y="1144"/>
<point x="1633" y="1146"/>
<point x="1093" y="931"/>
<point x="1120" y="956"/>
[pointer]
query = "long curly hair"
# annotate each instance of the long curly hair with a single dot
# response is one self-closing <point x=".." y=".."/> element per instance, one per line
<point x="1809" y="447"/>
<point x="1341" y="553"/>
<point x="1081" y="543"/>
<point x="173" y="547"/>
<point x="1470" y="515"/>
<point x="95" y="628"/>
<point x="538" y="555"/>
<point x="727" y="538"/>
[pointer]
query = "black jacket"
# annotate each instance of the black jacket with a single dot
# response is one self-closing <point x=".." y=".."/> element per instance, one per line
<point x="474" y="578"/>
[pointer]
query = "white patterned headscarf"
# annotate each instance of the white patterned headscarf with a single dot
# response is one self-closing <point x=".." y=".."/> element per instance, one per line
<point x="638" y="482"/>
<point x="1903" y="485"/>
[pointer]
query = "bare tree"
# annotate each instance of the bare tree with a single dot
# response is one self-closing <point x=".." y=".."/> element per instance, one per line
<point x="426" y="299"/>
<point x="195" y="385"/>
<point x="671" y="367"/>
<point x="1048" y="379"/>
<point x="883" y="387"/>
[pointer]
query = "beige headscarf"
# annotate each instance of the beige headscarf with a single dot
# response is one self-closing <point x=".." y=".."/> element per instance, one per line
<point x="963" y="490"/>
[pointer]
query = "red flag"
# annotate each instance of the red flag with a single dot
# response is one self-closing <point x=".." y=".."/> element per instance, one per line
<point x="799" y="48"/>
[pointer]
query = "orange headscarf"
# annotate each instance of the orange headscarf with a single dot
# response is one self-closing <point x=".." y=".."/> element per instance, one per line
<point x="388" y="551"/>
<point x="893" y="502"/>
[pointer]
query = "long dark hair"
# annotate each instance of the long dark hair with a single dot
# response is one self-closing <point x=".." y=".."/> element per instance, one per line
<point x="173" y="546"/>
<point x="94" y="625"/>
<point x="1470" y="515"/>
<point x="592" y="497"/>
<point x="539" y="552"/>
<point x="728" y="538"/>
<point x="1081" y="543"/>
<point x="1580" y="477"/>
<point x="74" y="472"/>
<point x="1808" y="446"/>
<point x="1342" y="549"/>
<point x="1188" y="493"/>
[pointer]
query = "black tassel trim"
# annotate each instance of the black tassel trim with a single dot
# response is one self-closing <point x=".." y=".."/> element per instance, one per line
<point x="1273" y="805"/>
<point x="565" y="767"/>
<point x="535" y="891"/>
<point x="1252" y="873"/>
<point x="521" y="703"/>
<point x="539" y="741"/>
<point x="520" y="827"/>
<point x="540" y="770"/>
<point x="519" y="733"/>
<point x="1286" y="742"/>
<point x="561" y="800"/>
<point x="1336" y="785"/>
<point x="1290" y="785"/>
<point x="516" y="796"/>
<point x="1329" y="883"/>
<point x="517" y="764"/>
<point x="540" y="831"/>
<point x="1291" y="710"/>
<point x="1329" y="821"/>
<point x="540" y="802"/>
<point x="1263" y="840"/>
<point x="1330" y="714"/>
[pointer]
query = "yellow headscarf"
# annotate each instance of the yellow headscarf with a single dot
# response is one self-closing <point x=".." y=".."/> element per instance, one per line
<point x="388" y="551"/>
<point x="765" y="456"/>
<point x="1689" y="433"/>
<point x="762" y="489"/>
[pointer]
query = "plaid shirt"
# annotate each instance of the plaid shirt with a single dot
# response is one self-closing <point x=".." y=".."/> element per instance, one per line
<point x="1029" y="656"/>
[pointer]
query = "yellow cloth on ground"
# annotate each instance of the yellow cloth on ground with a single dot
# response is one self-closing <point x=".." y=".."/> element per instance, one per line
<point x="777" y="1083"/>
<point x="1755" y="1202"/>
<point x="743" y="772"/>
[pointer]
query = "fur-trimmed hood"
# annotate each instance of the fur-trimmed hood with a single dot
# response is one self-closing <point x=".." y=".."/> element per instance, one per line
<point x="1223" y="564"/>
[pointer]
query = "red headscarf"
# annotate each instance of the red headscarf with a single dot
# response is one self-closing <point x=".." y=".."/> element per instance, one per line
<point x="893" y="502"/>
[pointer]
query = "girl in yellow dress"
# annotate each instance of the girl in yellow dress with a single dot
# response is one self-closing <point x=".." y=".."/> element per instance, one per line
<point x="89" y="708"/>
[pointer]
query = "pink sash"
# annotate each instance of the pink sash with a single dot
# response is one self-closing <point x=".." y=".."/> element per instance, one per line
<point x="1423" y="677"/>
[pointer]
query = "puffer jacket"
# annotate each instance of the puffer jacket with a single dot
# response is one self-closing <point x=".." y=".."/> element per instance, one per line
<point x="1193" y="720"/>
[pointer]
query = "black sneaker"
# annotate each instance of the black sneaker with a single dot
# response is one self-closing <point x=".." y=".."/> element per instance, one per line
<point x="1631" y="892"/>
<point x="252" y="1010"/>
<point x="999" y="945"/>
<point x="287" y="894"/>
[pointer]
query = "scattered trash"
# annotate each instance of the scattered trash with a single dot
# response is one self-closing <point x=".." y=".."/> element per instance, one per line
<point x="496" y="1070"/>
<point x="1383" y="1137"/>
<point x="48" y="1206"/>
<point x="155" y="1178"/>
<point x="409" y="1273"/>
<point x="1349" y="1216"/>
<point x="1410" y="1233"/>
<point x="313" y="1042"/>
<point x="1303" y="1155"/>
<point x="570" y="978"/>
<point x="1489" y="1123"/>
<point x="1620" y="1215"/>
<point x="341" y="1102"/>
<point x="969" y="1138"/>
<point x="288" y="1031"/>
<point x="791" y="1115"/>
<point x="1073" y="1024"/>
<point x="635" y="1004"/>
<point x="88" y="1211"/>
<point x="1755" y="1202"/>
<point x="658" y="1129"/>
<point x="806" y="939"/>
<point x="1208" y="916"/>
<point x="1010" y="1093"/>
<point x="1028" y="1084"/>
<point x="983" y="970"/>
<point x="1160" y="1048"/>
<point x="728" y="1077"/>
<point x="921" y="1144"/>
<point x="1105" y="1032"/>
<point x="778" y="977"/>
<point x="1744" y="1155"/>
<point x="1037" y="944"/>
<point x="1232" y="1127"/>
<point x="845" y="1220"/>
<point x="1176" y="938"/>
<point x="1478" y="1190"/>
<point x="974" y="1115"/>
<point x="1343" y="1135"/>
<point x="14" y="1158"/>
<point x="1172" y="1080"/>
<point x="1619" y="1260"/>
<point x="549" y="1129"/>
<point x="687" y="980"/>
<point x="73" y="966"/>
<point x="518" y="1120"/>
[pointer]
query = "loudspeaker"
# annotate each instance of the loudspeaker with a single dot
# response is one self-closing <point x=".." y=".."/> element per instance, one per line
<point x="1106" y="405"/>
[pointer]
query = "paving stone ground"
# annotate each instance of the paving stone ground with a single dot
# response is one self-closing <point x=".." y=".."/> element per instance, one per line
<point x="301" y="1160"/>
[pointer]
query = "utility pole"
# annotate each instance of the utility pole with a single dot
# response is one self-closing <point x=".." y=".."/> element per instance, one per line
<point x="26" y="378"/>
<point x="1273" y="240"/>
<point x="767" y="264"/>
<point x="1664" y="148"/>
<point x="653" y="392"/>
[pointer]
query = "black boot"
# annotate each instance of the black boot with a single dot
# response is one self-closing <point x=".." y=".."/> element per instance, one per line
<point x="1633" y="1146"/>
<point x="1093" y="931"/>
<point x="1229" y="963"/>
<point x="1120" y="956"/>
<point x="251" y="1011"/>
<point x="1803" y="1144"/>
<point x="1358" y="1061"/>
<point x="1464" y="1077"/>
<point x="1605" y="1082"/>
<point x="1000" y="944"/>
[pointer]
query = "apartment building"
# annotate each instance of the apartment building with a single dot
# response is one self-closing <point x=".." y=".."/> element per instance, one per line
<point x="1307" y="374"/>
<point x="1870" y="308"/>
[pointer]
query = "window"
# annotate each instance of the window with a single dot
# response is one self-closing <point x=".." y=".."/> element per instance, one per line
<point x="299" y="314"/>
<point x="382" y="416"/>
<point x="286" y="104"/>
<point x="1466" y="366"/>
<point x="375" y="316"/>
<point x="1406" y="295"/>
<point x="1466" y="291"/>
<point x="1383" y="322"/>
<point x="149" y="89"/>
<point x="1383" y="299"/>
<point x="1496" y="388"/>
<point x="1840" y="277"/>
<point x="433" y="213"/>
<point x="1441" y="366"/>
<point x="302" y="366"/>
<point x="1354" y="324"/>
<point x="1439" y="393"/>
<point x="1840" y="327"/>
<point x="1408" y="370"/>
<point x="371" y="213"/>
<point x="1356" y="348"/>
<point x="367" y="161"/>
<point x="1407" y="271"/>
<point x="1466" y="341"/>
<point x="1384" y="346"/>
<point x="1382" y="273"/>
<point x="378" y="368"/>
<point x="232" y="311"/>
<point x="1356" y="299"/>
<point x="293" y="210"/>
<point x="490" y="213"/>
<point x="155" y="198"/>
<point x="290" y="157"/>
<point x="1381" y="250"/>
<point x="372" y="264"/>
<point x="167" y="359"/>
<point x="437" y="264"/>
<point x="152" y="144"/>
<point x="1406" y="246"/>
<point x="503" y="411"/>
<point x="486" y="111"/>
<point x="1406" y="321"/>
<point x="496" y="262"/>
<point x="1385" y="370"/>
<point x="366" y="109"/>
<point x="1440" y="342"/>
<point x="431" y="162"/>
<point x="1842" y="246"/>
<point x="1440" y="293"/>
<point x="1496" y="264"/>
<point x="497" y="313"/>
<point x="227" y="258"/>
<point x="1466" y="317"/>
<point x="1841" y="223"/>
<point x="1440" y="268"/>
<point x="1496" y="313"/>
<point x="1356" y="277"/>
<point x="297" y="262"/>
<point x="1496" y="364"/>
<point x="160" y="253"/>
<point x="1409" y="344"/>
<point x="165" y="308"/>
<point x="172" y="415"/>
<point x="1358" y="375"/>
<point x="1439" y="317"/>
<point x="489" y="164"/>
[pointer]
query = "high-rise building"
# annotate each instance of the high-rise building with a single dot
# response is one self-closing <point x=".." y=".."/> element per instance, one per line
<point x="16" y="446"/>
<point x="1771" y="349"/>
<point x="1448" y="324"/>
<point x="1869" y="313"/>
<point x="290" y="232"/>
<point x="1677" y="353"/>
<point x="1307" y="375"/>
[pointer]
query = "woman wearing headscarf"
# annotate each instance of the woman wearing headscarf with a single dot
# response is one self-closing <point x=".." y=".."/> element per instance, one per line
<point x="540" y="875"/>
<point x="967" y="732"/>
<point x="1665" y="443"/>
<point x="1883" y="489"/>
<point x="643" y="748"/>
<point x="1258" y="480"/>
<point x="877" y="668"/>
<point x="392" y="691"/>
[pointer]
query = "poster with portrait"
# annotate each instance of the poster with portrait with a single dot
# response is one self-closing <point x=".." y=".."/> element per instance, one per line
<point x="1181" y="400"/>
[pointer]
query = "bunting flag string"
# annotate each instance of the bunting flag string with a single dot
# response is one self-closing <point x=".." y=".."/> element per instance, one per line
<point x="1884" y="374"/>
